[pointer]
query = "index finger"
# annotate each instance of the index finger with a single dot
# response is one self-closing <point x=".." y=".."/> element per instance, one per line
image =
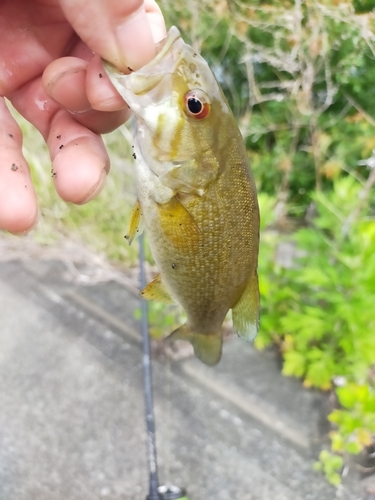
<point x="123" y="33"/>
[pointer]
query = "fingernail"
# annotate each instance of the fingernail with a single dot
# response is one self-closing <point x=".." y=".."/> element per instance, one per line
<point x="157" y="27"/>
<point x="136" y="41"/>
<point x="100" y="91"/>
<point x="37" y="219"/>
<point x="68" y="88"/>
<point x="97" y="188"/>
<point x="31" y="228"/>
<point x="79" y="112"/>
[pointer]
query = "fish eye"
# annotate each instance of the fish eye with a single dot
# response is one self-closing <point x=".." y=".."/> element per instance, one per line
<point x="197" y="104"/>
<point x="194" y="105"/>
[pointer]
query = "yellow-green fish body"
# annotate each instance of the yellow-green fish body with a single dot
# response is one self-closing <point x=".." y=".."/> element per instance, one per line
<point x="196" y="194"/>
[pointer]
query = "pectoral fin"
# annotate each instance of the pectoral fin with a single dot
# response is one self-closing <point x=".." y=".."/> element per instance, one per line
<point x="135" y="225"/>
<point x="207" y="347"/>
<point x="186" y="178"/>
<point x="246" y="311"/>
<point x="194" y="175"/>
<point x="178" y="225"/>
<point x="156" y="290"/>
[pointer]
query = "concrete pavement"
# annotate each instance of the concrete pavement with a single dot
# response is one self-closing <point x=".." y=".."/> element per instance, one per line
<point x="71" y="404"/>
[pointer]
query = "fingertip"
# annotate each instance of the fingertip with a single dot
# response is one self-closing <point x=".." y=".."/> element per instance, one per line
<point x="137" y="35"/>
<point x="64" y="81"/>
<point x="18" y="210"/>
<point x="155" y="20"/>
<point x="96" y="189"/>
<point x="100" y="91"/>
<point x="133" y="54"/>
<point x="80" y="169"/>
<point x="26" y="225"/>
<point x="123" y="33"/>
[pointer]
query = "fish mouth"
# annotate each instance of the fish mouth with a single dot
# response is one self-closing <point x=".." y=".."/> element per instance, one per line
<point x="163" y="48"/>
<point x="149" y="76"/>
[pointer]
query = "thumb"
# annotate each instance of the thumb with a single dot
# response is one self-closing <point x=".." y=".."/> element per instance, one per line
<point x="123" y="33"/>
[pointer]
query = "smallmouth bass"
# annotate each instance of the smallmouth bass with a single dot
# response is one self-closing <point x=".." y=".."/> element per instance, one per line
<point x="196" y="195"/>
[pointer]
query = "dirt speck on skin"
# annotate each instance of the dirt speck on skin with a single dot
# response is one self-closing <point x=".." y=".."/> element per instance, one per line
<point x="58" y="137"/>
<point x="10" y="135"/>
<point x="14" y="167"/>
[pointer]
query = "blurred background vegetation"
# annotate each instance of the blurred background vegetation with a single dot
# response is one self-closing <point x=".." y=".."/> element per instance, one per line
<point x="300" y="77"/>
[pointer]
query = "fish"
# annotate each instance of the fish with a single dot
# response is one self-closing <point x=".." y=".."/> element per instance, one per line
<point x="196" y="196"/>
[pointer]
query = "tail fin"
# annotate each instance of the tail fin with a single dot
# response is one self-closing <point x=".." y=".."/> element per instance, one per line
<point x="207" y="347"/>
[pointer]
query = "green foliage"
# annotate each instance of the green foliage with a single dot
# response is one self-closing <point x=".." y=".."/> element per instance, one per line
<point x="364" y="6"/>
<point x="322" y="314"/>
<point x="163" y="319"/>
<point x="320" y="310"/>
<point x="331" y="465"/>
<point x="299" y="77"/>
<point x="356" y="420"/>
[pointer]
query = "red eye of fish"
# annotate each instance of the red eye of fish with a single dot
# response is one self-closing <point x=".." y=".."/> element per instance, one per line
<point x="197" y="104"/>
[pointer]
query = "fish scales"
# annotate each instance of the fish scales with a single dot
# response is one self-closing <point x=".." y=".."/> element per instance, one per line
<point x="196" y="194"/>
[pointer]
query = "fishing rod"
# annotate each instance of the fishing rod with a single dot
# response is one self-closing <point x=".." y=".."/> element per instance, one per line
<point x="156" y="492"/>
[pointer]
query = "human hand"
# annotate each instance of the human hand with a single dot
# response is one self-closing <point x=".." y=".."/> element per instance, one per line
<point x="50" y="74"/>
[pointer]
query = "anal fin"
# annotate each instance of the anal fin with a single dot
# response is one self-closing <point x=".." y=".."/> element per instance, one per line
<point x="156" y="290"/>
<point x="135" y="225"/>
<point x="245" y="312"/>
<point x="207" y="347"/>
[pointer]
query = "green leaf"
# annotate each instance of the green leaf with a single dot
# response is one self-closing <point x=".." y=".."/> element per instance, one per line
<point x="294" y="364"/>
<point x="347" y="396"/>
